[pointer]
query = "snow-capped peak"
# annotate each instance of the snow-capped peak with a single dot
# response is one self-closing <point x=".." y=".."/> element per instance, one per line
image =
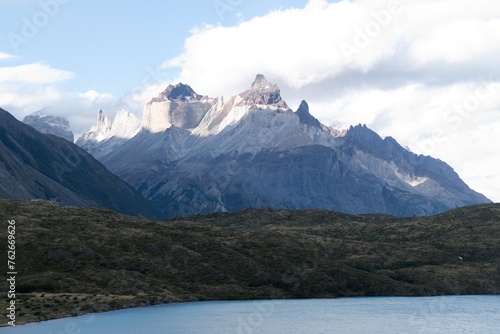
<point x="44" y="122"/>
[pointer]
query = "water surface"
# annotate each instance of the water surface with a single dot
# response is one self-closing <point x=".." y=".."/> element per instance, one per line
<point x="384" y="315"/>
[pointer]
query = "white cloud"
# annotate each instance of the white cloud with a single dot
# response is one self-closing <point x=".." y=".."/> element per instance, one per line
<point x="457" y="41"/>
<point x="299" y="47"/>
<point x="6" y="56"/>
<point x="30" y="85"/>
<point x="79" y="109"/>
<point x="33" y="74"/>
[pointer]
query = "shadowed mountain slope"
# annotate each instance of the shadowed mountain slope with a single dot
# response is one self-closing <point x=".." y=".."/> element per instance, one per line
<point x="38" y="166"/>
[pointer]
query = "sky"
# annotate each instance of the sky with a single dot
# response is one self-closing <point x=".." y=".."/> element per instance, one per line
<point x="422" y="71"/>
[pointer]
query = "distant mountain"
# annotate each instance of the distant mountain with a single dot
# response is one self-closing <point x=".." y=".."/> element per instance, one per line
<point x="49" y="124"/>
<point x="38" y="166"/>
<point x="194" y="154"/>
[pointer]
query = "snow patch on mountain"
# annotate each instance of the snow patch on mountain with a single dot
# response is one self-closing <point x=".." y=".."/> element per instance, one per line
<point x="414" y="181"/>
<point x="44" y="122"/>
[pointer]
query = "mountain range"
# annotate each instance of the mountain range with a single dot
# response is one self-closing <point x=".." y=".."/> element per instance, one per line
<point x="193" y="154"/>
<point x="34" y="165"/>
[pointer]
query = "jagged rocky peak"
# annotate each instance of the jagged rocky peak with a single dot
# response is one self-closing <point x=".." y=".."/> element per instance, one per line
<point x="263" y="92"/>
<point x="103" y="122"/>
<point x="43" y="122"/>
<point x="261" y="83"/>
<point x="179" y="92"/>
<point x="363" y="133"/>
<point x="124" y="125"/>
<point x="98" y="132"/>
<point x="305" y="117"/>
<point x="178" y="106"/>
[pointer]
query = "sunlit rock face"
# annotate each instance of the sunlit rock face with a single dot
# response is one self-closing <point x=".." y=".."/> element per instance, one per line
<point x="177" y="106"/>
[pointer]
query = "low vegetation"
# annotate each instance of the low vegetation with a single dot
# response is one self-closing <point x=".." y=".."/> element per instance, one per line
<point x="78" y="260"/>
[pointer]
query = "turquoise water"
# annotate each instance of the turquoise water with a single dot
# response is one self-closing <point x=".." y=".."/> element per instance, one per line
<point x="384" y="315"/>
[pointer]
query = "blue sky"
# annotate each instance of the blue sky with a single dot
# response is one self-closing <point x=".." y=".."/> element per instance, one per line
<point x="422" y="71"/>
<point x="109" y="45"/>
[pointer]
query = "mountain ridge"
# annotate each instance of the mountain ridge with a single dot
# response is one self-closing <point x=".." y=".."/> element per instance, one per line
<point x="216" y="154"/>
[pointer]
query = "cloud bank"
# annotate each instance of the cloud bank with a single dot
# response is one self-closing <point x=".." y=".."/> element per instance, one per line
<point x="27" y="88"/>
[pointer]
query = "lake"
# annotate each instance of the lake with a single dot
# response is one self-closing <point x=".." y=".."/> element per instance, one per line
<point x="377" y="315"/>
